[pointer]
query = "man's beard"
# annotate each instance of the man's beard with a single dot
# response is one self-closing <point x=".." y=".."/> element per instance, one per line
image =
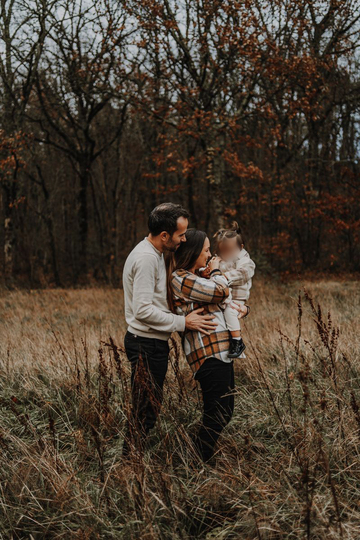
<point x="173" y="247"/>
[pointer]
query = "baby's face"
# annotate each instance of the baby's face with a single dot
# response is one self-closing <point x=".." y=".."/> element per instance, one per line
<point x="228" y="249"/>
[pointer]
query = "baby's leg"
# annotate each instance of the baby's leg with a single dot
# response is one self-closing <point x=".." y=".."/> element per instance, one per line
<point x="237" y="346"/>
<point x="240" y="303"/>
<point x="231" y="315"/>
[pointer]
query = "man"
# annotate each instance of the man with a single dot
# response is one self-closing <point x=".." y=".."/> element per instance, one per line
<point x="150" y="321"/>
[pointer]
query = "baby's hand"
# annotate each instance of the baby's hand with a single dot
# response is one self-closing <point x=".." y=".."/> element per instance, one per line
<point x="205" y="272"/>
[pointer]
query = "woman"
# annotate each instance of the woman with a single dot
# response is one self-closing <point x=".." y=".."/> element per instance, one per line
<point x="207" y="353"/>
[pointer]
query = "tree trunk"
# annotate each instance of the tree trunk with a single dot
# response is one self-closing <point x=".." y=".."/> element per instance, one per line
<point x="50" y="227"/>
<point x="214" y="174"/>
<point x="9" y="237"/>
<point x="82" y="214"/>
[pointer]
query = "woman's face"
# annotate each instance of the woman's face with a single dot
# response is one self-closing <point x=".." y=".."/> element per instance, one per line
<point x="204" y="256"/>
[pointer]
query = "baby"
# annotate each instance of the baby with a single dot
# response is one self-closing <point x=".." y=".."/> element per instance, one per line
<point x="237" y="266"/>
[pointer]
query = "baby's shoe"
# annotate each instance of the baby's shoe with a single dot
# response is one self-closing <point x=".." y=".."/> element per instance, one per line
<point x="237" y="347"/>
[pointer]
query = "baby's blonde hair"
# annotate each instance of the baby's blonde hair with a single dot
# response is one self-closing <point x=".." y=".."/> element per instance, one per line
<point x="233" y="232"/>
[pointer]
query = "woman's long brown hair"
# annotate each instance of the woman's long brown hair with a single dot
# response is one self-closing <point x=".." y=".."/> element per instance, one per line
<point x="184" y="258"/>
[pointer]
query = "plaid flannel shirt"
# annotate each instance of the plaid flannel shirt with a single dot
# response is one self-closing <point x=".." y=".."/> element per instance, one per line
<point x="239" y="273"/>
<point x="192" y="292"/>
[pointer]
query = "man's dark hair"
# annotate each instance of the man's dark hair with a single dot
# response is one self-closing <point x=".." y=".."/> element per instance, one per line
<point x="164" y="218"/>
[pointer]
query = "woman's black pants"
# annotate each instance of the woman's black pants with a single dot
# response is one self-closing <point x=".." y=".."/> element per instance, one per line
<point x="216" y="379"/>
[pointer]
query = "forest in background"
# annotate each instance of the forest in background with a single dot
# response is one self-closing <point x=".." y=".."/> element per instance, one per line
<point x="245" y="110"/>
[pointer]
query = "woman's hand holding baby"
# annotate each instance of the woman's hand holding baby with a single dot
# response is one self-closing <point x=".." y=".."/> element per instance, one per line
<point x="243" y="310"/>
<point x="205" y="273"/>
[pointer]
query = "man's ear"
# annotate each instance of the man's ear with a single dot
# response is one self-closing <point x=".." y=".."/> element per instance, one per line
<point x="164" y="236"/>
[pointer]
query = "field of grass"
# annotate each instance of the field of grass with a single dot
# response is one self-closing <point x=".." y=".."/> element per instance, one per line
<point x="288" y="465"/>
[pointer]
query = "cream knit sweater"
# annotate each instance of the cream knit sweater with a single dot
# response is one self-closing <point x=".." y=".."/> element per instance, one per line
<point x="144" y="281"/>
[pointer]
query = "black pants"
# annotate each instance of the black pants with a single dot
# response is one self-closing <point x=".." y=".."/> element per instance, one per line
<point x="216" y="379"/>
<point x="149" y="361"/>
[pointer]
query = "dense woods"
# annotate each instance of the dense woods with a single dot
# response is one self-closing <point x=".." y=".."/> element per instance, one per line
<point x="236" y="109"/>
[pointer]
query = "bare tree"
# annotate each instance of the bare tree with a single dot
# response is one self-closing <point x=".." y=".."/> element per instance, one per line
<point x="24" y="26"/>
<point x="82" y="74"/>
<point x="246" y="110"/>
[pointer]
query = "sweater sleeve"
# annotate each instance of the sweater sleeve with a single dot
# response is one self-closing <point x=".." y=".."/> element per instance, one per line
<point x="197" y="289"/>
<point x="144" y="281"/>
<point x="243" y="271"/>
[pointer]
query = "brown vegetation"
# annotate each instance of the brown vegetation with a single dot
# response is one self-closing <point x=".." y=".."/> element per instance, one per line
<point x="287" y="465"/>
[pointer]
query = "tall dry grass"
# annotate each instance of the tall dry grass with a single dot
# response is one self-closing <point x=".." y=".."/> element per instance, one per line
<point x="287" y="466"/>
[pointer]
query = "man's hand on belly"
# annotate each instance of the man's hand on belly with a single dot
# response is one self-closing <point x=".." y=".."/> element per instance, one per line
<point x="201" y="323"/>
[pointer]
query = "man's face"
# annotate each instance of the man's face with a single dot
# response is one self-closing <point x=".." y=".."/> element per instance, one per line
<point x="171" y="243"/>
